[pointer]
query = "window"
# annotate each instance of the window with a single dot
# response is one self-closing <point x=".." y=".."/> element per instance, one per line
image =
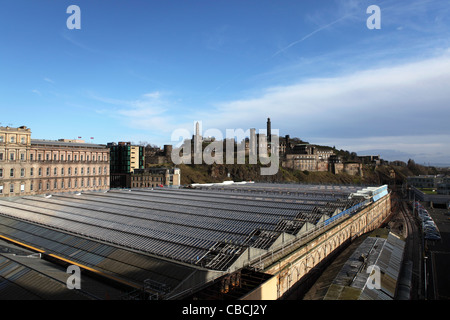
<point x="39" y="157"/>
<point x="55" y="185"/>
<point x="11" y="188"/>
<point x="2" y="139"/>
<point x="1" y="156"/>
<point x="22" y="172"/>
<point x="62" y="171"/>
<point x="31" y="157"/>
<point x="40" y="172"/>
<point x="11" y="156"/>
<point x="22" y="140"/>
<point x="62" y="157"/>
<point x="31" y="186"/>
<point x="47" y="157"/>
<point x="11" y="173"/>
<point x="69" y="171"/>
<point x="22" y="156"/>
<point x="48" y="171"/>
<point x="31" y="171"/>
<point x="12" y="139"/>
<point x="76" y="171"/>
<point x="55" y="157"/>
<point x="22" y="187"/>
<point x="55" y="172"/>
<point x="1" y="173"/>
<point x="1" y="189"/>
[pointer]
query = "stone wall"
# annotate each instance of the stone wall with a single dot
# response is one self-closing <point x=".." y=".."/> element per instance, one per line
<point x="293" y="267"/>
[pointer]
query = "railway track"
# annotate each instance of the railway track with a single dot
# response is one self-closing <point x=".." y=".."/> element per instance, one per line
<point x="410" y="280"/>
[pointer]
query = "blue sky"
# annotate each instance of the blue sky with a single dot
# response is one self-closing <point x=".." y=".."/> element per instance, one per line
<point x="139" y="70"/>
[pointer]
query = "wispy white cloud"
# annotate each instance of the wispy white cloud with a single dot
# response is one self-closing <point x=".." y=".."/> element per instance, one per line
<point x="78" y="43"/>
<point x="216" y="39"/>
<point x="148" y="112"/>
<point x="309" y="35"/>
<point x="35" y="91"/>
<point x="148" y="104"/>
<point x="49" y="80"/>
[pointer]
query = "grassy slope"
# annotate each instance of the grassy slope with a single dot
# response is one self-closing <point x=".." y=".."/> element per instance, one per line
<point x="371" y="174"/>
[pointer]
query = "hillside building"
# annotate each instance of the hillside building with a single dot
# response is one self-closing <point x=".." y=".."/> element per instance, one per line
<point x="307" y="157"/>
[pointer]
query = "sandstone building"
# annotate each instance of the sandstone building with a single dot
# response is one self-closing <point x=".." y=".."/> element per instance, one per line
<point x="31" y="166"/>
<point x="155" y="177"/>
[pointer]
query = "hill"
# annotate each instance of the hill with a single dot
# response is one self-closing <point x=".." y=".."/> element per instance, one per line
<point x="381" y="174"/>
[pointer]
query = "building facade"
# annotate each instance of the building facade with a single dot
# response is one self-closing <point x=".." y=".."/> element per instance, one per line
<point x="155" y="177"/>
<point x="155" y="155"/>
<point x="424" y="181"/>
<point x="128" y="167"/>
<point x="31" y="166"/>
<point x="444" y="186"/>
<point x="307" y="157"/>
<point x="125" y="158"/>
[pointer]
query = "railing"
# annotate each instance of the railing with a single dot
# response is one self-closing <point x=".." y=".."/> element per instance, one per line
<point x="66" y="161"/>
<point x="271" y="256"/>
<point x="348" y="211"/>
<point x="258" y="263"/>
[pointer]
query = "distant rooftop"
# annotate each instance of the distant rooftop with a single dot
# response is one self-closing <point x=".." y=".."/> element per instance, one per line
<point x="384" y="251"/>
<point x="8" y="128"/>
<point x="66" y="143"/>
